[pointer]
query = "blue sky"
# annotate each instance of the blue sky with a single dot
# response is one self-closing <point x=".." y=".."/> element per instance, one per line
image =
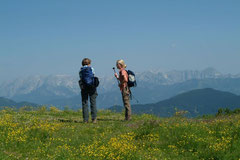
<point x="52" y="37"/>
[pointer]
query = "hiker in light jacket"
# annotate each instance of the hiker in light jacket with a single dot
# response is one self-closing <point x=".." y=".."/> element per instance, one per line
<point x="123" y="85"/>
<point x="88" y="89"/>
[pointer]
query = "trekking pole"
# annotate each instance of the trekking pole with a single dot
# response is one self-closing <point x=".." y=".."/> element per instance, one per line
<point x="132" y="96"/>
<point x="116" y="72"/>
<point x="135" y="99"/>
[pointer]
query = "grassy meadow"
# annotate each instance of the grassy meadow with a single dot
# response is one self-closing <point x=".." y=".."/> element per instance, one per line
<point x="61" y="135"/>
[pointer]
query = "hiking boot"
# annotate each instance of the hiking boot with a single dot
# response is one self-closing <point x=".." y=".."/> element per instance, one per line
<point x="128" y="118"/>
<point x="94" y="121"/>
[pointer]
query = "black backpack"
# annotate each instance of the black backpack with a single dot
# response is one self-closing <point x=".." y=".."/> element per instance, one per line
<point x="96" y="82"/>
<point x="131" y="79"/>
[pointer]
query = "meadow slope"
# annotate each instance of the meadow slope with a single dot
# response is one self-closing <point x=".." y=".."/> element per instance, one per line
<point x="61" y="135"/>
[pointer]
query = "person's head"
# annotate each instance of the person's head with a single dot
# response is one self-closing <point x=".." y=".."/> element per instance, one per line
<point x="86" y="61"/>
<point x="121" y="64"/>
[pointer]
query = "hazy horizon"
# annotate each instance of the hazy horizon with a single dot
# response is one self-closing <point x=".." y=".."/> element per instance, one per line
<point x="106" y="75"/>
<point x="52" y="37"/>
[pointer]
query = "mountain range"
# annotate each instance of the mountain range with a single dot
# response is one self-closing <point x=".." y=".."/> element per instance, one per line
<point x="197" y="102"/>
<point x="153" y="86"/>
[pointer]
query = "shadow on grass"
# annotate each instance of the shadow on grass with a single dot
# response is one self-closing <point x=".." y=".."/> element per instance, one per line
<point x="109" y="119"/>
<point x="69" y="121"/>
<point x="99" y="119"/>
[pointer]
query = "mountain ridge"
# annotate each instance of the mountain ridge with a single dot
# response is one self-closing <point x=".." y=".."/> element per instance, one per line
<point x="5" y="102"/>
<point x="197" y="102"/>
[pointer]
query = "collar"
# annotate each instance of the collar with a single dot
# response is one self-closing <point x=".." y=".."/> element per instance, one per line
<point x="122" y="69"/>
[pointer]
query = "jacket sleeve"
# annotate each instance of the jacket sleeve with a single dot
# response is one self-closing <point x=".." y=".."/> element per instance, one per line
<point x="80" y="74"/>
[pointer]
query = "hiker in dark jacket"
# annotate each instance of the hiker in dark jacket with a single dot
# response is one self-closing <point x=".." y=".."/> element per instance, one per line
<point x="88" y="89"/>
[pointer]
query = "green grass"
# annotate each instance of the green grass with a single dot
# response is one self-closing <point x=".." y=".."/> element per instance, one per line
<point x="61" y="135"/>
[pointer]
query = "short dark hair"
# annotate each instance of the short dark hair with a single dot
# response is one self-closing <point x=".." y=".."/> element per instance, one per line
<point x="86" y="61"/>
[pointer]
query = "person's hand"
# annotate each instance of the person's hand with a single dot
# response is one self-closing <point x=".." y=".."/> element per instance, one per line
<point x="116" y="75"/>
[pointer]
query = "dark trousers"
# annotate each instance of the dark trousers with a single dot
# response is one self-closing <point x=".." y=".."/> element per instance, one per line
<point x="92" y="93"/>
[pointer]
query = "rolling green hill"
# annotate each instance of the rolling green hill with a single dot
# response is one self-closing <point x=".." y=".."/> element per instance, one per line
<point x="196" y="102"/>
<point x="10" y="103"/>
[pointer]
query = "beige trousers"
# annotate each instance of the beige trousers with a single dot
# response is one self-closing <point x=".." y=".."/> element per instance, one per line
<point x="126" y="102"/>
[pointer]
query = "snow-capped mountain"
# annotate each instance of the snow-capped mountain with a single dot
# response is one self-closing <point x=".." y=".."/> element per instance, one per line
<point x="172" y="77"/>
<point x="52" y="84"/>
<point x="42" y="89"/>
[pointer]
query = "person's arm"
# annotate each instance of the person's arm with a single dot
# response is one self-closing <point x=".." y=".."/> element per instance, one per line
<point x="116" y="75"/>
<point x="80" y="74"/>
<point x="80" y="81"/>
